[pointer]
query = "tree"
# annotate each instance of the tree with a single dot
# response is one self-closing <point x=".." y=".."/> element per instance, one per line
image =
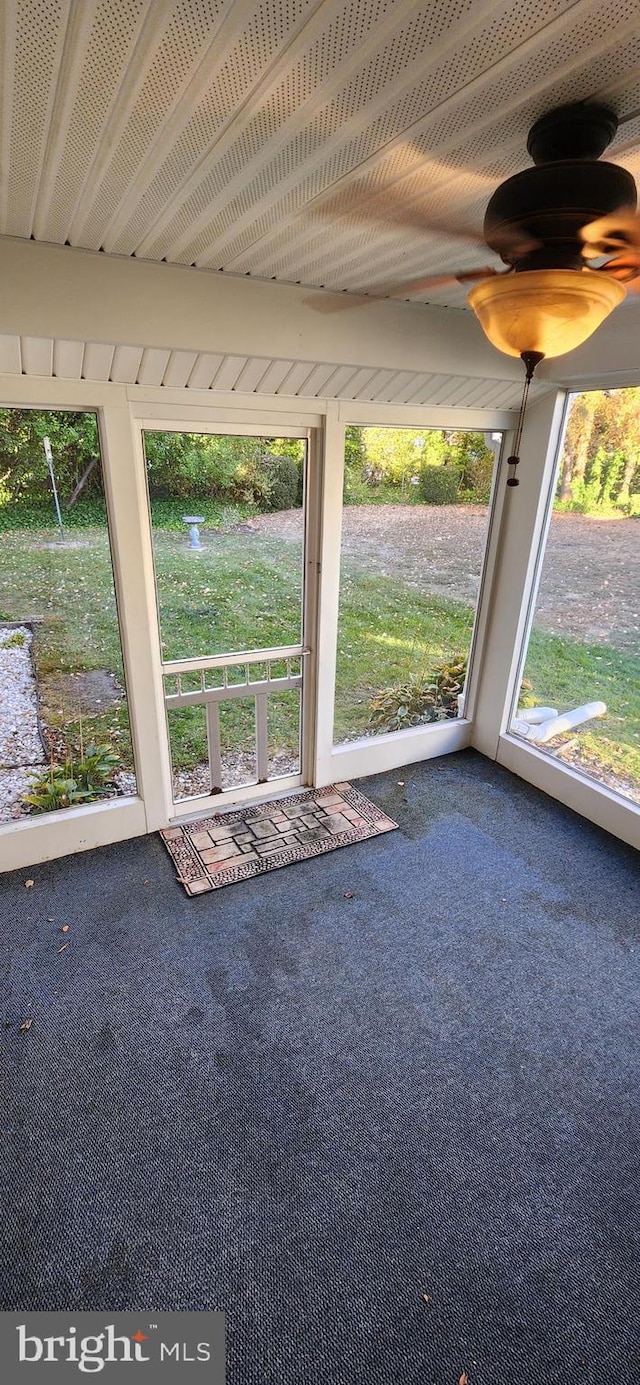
<point x="600" y="462"/>
<point x="23" y="468"/>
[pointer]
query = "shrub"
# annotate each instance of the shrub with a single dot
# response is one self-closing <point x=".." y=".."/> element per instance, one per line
<point x="282" y="477"/>
<point x="423" y="698"/>
<point x="439" y="484"/>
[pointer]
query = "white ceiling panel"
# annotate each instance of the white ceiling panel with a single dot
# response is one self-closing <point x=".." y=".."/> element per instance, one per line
<point x="126" y="364"/>
<point x="133" y="365"/>
<point x="204" y="371"/>
<point x="350" y="145"/>
<point x="96" y="364"/>
<point x="152" y="366"/>
<point x="346" y="143"/>
<point x="37" y="356"/>
<point x="10" y="356"/>
<point x="179" y="367"/>
<point x="67" y="359"/>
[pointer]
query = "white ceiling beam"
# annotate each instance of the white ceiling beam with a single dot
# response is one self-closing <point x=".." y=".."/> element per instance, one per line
<point x="56" y="292"/>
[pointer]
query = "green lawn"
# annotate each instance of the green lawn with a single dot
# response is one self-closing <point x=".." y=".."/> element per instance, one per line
<point x="243" y="591"/>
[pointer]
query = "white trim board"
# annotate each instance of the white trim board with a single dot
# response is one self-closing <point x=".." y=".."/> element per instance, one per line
<point x="593" y="801"/>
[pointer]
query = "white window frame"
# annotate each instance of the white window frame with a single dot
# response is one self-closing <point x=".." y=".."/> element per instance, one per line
<point x="374" y="755"/>
<point x="121" y="411"/>
<point x="528" y="511"/>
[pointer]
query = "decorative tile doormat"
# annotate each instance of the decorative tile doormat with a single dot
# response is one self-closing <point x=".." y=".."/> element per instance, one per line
<point x="228" y="847"/>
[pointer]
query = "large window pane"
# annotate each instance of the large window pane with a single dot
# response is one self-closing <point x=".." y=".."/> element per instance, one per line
<point x="415" y="515"/>
<point x="584" y="648"/>
<point x="241" y="588"/>
<point x="63" y="706"/>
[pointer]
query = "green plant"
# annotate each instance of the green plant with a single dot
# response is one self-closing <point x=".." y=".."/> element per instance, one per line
<point x="423" y="698"/>
<point x="439" y="484"/>
<point x="405" y="704"/>
<point x="15" y="640"/>
<point x="449" y="680"/>
<point x="282" y="476"/>
<point x="68" y="784"/>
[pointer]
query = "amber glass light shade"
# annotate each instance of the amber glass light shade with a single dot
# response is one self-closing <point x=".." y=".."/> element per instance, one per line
<point x="546" y="310"/>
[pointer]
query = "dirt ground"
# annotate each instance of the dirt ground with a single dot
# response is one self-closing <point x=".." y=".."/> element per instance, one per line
<point x="590" y="588"/>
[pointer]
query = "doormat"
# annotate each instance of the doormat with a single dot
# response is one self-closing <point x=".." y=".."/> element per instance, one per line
<point x="228" y="847"/>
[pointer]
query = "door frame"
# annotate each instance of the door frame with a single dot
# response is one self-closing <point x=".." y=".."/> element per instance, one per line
<point x="220" y="422"/>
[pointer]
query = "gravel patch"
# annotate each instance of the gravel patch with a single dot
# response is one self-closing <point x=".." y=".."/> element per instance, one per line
<point x="20" y="742"/>
<point x="237" y="770"/>
<point x="14" y="784"/>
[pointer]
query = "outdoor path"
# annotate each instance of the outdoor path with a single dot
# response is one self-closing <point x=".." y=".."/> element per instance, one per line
<point x="590" y="587"/>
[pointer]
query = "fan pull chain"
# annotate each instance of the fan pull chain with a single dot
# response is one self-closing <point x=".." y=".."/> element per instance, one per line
<point x="531" y="360"/>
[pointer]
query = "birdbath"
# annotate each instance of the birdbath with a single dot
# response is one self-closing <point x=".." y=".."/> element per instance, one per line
<point x="193" y="521"/>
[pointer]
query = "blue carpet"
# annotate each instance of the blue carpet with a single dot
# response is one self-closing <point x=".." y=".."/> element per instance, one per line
<point x="312" y="1110"/>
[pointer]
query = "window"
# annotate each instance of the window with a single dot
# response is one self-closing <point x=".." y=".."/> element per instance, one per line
<point x="415" y="518"/>
<point x="64" y="723"/>
<point x="583" y="656"/>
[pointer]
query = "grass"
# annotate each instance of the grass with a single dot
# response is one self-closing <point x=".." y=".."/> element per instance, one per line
<point x="387" y="631"/>
<point x="566" y="673"/>
<point x="243" y="590"/>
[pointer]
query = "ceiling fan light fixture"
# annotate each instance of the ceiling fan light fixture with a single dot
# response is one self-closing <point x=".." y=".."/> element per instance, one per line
<point x="549" y="311"/>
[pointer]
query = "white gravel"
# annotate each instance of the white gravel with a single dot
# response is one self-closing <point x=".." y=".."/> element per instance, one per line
<point x="20" y="743"/>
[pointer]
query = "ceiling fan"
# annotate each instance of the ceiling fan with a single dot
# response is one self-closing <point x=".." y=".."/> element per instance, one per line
<point x="567" y="231"/>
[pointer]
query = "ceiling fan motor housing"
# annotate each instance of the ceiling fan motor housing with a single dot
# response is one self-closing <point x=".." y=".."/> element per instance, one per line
<point x="534" y="220"/>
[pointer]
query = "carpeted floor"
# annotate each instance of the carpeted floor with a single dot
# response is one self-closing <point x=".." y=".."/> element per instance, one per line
<point x="402" y="1069"/>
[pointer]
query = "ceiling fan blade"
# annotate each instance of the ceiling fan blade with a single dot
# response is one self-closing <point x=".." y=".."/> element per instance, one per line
<point x="624" y="267"/>
<point x="337" y="302"/>
<point x="619" y="231"/>
<point x="384" y="211"/>
<point x="435" y="281"/>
